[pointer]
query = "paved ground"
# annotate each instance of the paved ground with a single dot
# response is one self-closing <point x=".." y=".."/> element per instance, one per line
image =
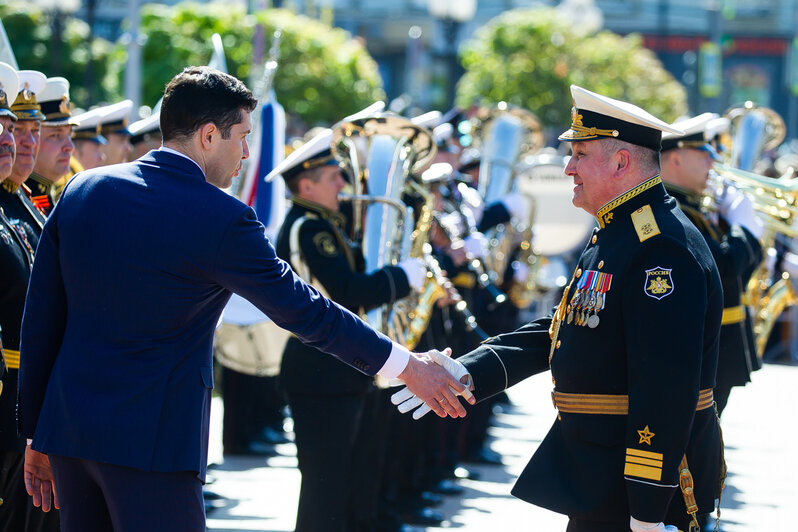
<point x="760" y="428"/>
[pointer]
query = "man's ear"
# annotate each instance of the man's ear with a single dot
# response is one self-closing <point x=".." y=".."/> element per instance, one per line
<point x="623" y="161"/>
<point x="207" y="134"/>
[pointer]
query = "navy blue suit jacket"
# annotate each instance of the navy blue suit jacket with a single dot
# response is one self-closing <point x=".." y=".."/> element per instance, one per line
<point x="132" y="272"/>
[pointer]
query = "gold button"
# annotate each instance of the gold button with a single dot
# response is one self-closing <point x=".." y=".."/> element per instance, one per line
<point x="593" y="240"/>
<point x="578" y="273"/>
<point x="559" y="343"/>
<point x="601" y="264"/>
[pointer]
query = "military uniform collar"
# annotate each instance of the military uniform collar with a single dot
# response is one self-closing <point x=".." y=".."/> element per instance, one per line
<point x="629" y="201"/>
<point x="43" y="183"/>
<point x="683" y="195"/>
<point x="10" y="186"/>
<point x="334" y="217"/>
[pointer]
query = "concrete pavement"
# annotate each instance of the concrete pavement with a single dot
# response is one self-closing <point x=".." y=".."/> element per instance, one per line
<point x="760" y="428"/>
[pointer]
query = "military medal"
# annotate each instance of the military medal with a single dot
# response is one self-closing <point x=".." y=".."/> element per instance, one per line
<point x="593" y="320"/>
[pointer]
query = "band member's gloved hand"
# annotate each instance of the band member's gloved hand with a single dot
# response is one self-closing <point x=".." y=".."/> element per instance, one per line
<point x="407" y="401"/>
<point x="416" y="272"/>
<point x="517" y="205"/>
<point x="476" y="245"/>
<point x="642" y="526"/>
<point x="738" y="209"/>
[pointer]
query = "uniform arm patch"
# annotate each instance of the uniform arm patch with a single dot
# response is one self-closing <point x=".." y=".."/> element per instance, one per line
<point x="325" y="243"/>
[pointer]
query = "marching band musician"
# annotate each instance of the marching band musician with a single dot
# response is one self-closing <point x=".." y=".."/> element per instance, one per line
<point x="16" y="259"/>
<point x="56" y="147"/>
<point x="733" y="240"/>
<point x="632" y="346"/>
<point x="327" y="397"/>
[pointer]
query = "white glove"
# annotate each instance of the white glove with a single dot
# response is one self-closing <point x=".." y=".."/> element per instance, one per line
<point x="737" y="208"/>
<point x="405" y="400"/>
<point x="517" y="205"/>
<point x="476" y="245"/>
<point x="415" y="271"/>
<point x="642" y="526"/>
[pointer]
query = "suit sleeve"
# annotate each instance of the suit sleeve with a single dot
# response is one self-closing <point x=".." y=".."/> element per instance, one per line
<point x="248" y="265"/>
<point x="329" y="265"/>
<point x="666" y="297"/>
<point x="509" y="358"/>
<point x="740" y="253"/>
<point x="43" y="325"/>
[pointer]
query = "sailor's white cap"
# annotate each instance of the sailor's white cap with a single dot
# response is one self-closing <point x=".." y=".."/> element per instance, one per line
<point x="26" y="105"/>
<point x="54" y="101"/>
<point x="595" y="116"/>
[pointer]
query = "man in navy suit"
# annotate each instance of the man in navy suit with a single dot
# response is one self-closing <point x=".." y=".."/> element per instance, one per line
<point x="131" y="274"/>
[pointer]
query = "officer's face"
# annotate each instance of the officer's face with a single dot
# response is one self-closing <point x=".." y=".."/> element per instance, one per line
<point x="56" y="147"/>
<point x="695" y="165"/>
<point x="26" y="137"/>
<point x="591" y="168"/>
<point x="89" y="153"/>
<point x="7" y="147"/>
<point x="325" y="189"/>
<point x="117" y="149"/>
<point x="224" y="162"/>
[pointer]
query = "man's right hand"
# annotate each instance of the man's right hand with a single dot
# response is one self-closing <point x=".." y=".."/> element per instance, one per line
<point x="39" y="481"/>
<point x="435" y="386"/>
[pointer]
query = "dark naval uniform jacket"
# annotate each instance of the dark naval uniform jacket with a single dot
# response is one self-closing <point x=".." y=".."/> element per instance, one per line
<point x="132" y="272"/>
<point x="737" y="253"/>
<point x="327" y="259"/>
<point x="20" y="210"/>
<point x="16" y="261"/>
<point x="632" y="349"/>
<point x="42" y="193"/>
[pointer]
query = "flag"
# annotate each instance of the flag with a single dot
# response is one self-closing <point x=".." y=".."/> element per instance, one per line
<point x="266" y="151"/>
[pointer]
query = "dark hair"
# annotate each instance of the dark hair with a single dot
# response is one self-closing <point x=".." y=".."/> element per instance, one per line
<point x="314" y="174"/>
<point x="199" y="95"/>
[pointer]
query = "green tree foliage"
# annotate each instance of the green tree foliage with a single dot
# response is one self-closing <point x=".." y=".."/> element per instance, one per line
<point x="323" y="74"/>
<point x="530" y="57"/>
<point x="30" y="32"/>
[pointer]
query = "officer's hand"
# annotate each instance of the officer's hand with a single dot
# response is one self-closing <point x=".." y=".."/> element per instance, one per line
<point x="738" y="209"/>
<point x="517" y="205"/>
<point x="407" y="399"/>
<point x="476" y="245"/>
<point x="642" y="526"/>
<point x="416" y="272"/>
<point x="39" y="481"/>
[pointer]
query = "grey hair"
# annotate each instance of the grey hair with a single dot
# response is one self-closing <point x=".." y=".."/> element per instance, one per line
<point x="647" y="159"/>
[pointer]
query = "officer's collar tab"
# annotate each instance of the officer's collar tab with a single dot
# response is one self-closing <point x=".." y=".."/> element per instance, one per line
<point x="605" y="214"/>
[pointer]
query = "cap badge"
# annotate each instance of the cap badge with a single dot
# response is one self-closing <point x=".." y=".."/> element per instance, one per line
<point x="63" y="107"/>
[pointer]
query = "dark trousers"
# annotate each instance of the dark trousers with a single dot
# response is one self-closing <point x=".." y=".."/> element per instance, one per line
<point x="98" y="497"/>
<point x="581" y="525"/>
<point x="325" y="428"/>
<point x="17" y="512"/>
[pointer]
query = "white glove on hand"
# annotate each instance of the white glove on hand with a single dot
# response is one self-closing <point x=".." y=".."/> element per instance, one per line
<point x="737" y="208"/>
<point x="476" y="245"/>
<point x="405" y="400"/>
<point x="642" y="526"/>
<point x="415" y="271"/>
<point x="517" y="205"/>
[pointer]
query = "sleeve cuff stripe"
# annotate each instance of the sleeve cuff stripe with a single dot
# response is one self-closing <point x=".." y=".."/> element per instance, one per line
<point x="636" y="470"/>
<point x="644" y="461"/>
<point x="651" y="483"/>
<point x="643" y="454"/>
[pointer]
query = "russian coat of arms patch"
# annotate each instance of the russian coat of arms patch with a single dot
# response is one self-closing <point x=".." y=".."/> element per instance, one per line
<point x="658" y="283"/>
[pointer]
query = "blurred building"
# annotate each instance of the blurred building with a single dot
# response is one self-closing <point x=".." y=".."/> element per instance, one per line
<point x="723" y="51"/>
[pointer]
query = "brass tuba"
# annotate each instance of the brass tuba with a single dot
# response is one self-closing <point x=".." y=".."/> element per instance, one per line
<point x="753" y="129"/>
<point x="507" y="135"/>
<point x="776" y="201"/>
<point x="380" y="152"/>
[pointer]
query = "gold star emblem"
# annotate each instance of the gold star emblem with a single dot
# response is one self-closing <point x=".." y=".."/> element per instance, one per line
<point x="645" y="435"/>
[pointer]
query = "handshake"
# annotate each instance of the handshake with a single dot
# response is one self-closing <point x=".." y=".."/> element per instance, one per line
<point x="433" y="380"/>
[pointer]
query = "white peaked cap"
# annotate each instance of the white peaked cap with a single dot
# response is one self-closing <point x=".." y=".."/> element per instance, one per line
<point x="595" y="116"/>
<point x="9" y="85"/>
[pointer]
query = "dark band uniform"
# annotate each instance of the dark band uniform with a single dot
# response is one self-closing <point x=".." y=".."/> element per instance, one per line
<point x="326" y="396"/>
<point x="632" y="350"/>
<point x="737" y="253"/>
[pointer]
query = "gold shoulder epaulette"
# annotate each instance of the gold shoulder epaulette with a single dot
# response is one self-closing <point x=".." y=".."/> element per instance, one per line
<point x="644" y="222"/>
